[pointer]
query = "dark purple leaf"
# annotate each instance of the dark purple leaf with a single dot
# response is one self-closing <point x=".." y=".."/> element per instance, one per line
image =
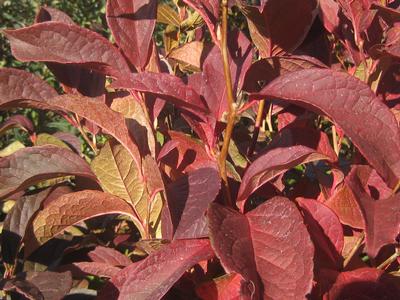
<point x="351" y="104"/>
<point x="132" y="24"/>
<point x="28" y="166"/>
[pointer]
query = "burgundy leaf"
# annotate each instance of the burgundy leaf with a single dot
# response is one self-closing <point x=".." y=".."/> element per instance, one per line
<point x="168" y="86"/>
<point x="209" y="11"/>
<point x="132" y="24"/>
<point x="325" y="230"/>
<point x="381" y="217"/>
<point x="351" y="104"/>
<point x="70" y="139"/>
<point x="17" y="121"/>
<point x="17" y="84"/>
<point x="275" y="29"/>
<point x="188" y="200"/>
<point x="82" y="269"/>
<point x="267" y="69"/>
<point x="109" y="256"/>
<point x="329" y="14"/>
<point x="364" y="283"/>
<point x="273" y="163"/>
<point x="261" y="243"/>
<point x="67" y="44"/>
<point x="152" y="277"/>
<point x="31" y="165"/>
<point x="40" y="285"/>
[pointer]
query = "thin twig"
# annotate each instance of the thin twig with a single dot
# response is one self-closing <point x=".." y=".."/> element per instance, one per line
<point x="388" y="261"/>
<point x="354" y="250"/>
<point x="231" y="102"/>
<point x="257" y="126"/>
<point x="335" y="140"/>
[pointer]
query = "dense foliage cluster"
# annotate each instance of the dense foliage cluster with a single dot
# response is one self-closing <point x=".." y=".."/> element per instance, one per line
<point x="259" y="160"/>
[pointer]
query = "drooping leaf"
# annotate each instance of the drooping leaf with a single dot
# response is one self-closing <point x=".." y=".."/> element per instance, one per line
<point x="132" y="24"/>
<point x="273" y="163"/>
<point x="90" y="109"/>
<point x="152" y="277"/>
<point x="31" y="165"/>
<point x="71" y="140"/>
<point x="350" y="103"/>
<point x="363" y="283"/>
<point x="325" y="231"/>
<point x="169" y="87"/>
<point x="270" y="243"/>
<point x="275" y="29"/>
<point x="119" y="176"/>
<point x="18" y="84"/>
<point x="381" y="217"/>
<point x="188" y="200"/>
<point x="17" y="121"/>
<point x="69" y="210"/>
<point x="43" y="139"/>
<point x="68" y="44"/>
<point x="109" y="256"/>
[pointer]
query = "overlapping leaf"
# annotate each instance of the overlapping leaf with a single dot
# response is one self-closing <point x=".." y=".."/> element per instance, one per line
<point x="270" y="244"/>
<point x="152" y="277"/>
<point x="351" y="104"/>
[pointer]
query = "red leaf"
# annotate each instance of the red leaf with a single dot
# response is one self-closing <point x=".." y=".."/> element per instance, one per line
<point x="209" y="11"/>
<point x="152" y="277"/>
<point x="329" y="14"/>
<point x="267" y="69"/>
<point x="19" y="121"/>
<point x="223" y="288"/>
<point x="31" y="165"/>
<point x="82" y="269"/>
<point x="325" y="230"/>
<point x="17" y="84"/>
<point x="67" y="44"/>
<point x="344" y="99"/>
<point x="188" y="200"/>
<point x="275" y="29"/>
<point x="364" y="283"/>
<point x="191" y="155"/>
<point x="52" y="14"/>
<point x="271" y="242"/>
<point x="168" y="86"/>
<point x="132" y="24"/>
<point x="382" y="217"/>
<point x="109" y="256"/>
<point x="272" y="164"/>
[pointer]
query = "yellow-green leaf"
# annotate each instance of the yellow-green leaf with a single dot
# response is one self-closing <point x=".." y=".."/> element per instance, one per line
<point x="48" y="139"/>
<point x="10" y="149"/>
